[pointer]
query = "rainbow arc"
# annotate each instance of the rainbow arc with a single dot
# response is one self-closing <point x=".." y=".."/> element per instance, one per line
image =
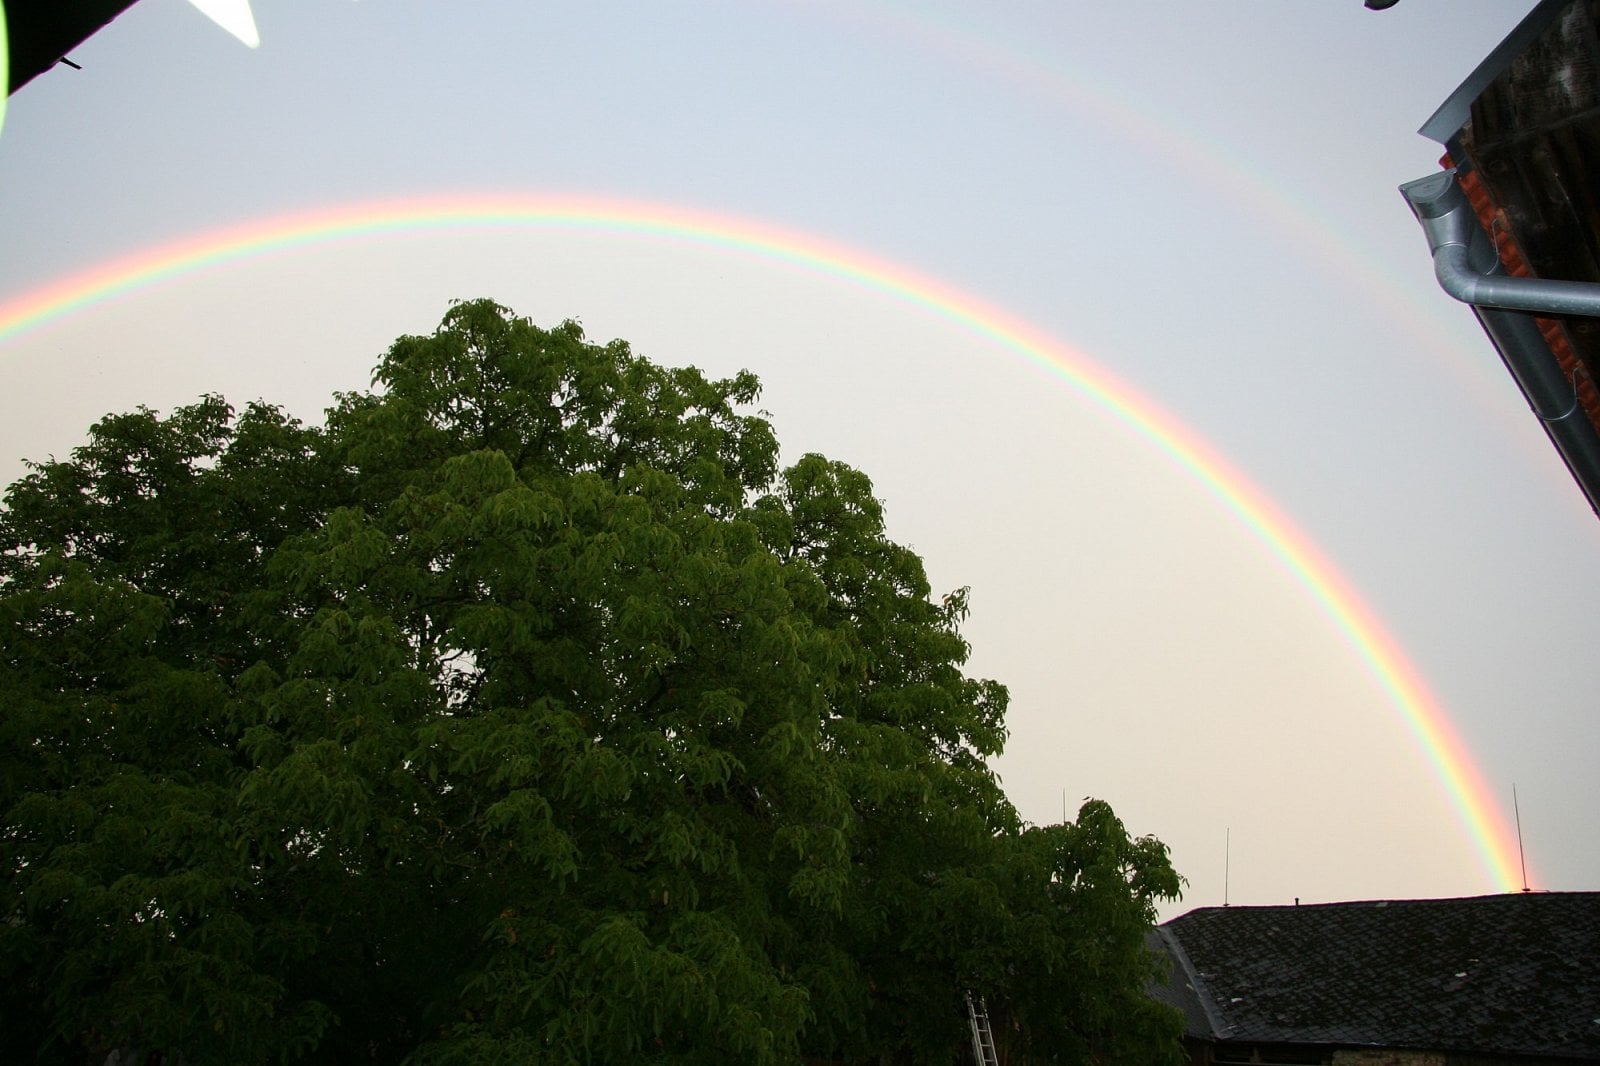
<point x="1421" y="714"/>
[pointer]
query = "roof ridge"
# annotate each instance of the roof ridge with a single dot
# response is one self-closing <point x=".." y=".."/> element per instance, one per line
<point x="1384" y="902"/>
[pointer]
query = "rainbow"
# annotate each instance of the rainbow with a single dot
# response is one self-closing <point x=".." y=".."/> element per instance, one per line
<point x="1281" y="201"/>
<point x="1423" y="717"/>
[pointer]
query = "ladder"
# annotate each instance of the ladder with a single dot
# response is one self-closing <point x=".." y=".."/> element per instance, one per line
<point x="983" y="1049"/>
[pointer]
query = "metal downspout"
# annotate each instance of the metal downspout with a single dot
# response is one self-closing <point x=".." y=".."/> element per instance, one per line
<point x="1468" y="268"/>
<point x="1465" y="262"/>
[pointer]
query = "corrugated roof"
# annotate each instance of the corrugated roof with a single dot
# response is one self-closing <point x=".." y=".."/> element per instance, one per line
<point x="1510" y="974"/>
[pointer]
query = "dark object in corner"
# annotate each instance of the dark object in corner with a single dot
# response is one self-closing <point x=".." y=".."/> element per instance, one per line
<point x="42" y="32"/>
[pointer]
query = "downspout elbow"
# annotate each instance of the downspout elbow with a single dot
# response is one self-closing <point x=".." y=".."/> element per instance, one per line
<point x="1467" y="265"/>
<point x="1452" y="265"/>
<point x="1457" y="278"/>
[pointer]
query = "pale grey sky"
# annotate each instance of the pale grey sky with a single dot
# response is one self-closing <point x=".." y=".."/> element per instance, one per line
<point x="1199" y="198"/>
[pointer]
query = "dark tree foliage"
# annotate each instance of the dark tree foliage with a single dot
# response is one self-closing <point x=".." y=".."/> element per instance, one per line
<point x="526" y="712"/>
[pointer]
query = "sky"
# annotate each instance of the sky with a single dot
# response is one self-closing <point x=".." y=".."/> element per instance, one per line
<point x="935" y="231"/>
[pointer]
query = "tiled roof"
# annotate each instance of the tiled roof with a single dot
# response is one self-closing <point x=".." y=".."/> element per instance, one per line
<point x="1513" y="974"/>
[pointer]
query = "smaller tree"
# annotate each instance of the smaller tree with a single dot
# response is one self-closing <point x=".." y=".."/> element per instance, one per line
<point x="1075" y="967"/>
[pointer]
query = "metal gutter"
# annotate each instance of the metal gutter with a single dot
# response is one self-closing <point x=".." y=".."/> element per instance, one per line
<point x="1469" y="269"/>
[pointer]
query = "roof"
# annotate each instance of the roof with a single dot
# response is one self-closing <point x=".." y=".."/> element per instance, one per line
<point x="1522" y="141"/>
<point x="1509" y="974"/>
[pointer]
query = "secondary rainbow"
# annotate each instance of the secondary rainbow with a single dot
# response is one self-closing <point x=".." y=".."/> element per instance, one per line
<point x="1423" y="717"/>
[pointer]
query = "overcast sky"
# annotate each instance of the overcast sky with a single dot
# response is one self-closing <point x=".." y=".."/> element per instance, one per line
<point x="1199" y="198"/>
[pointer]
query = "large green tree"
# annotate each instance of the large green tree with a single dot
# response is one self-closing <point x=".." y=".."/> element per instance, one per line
<point x="525" y="711"/>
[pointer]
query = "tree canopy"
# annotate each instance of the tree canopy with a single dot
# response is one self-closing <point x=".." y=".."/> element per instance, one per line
<point x="525" y="711"/>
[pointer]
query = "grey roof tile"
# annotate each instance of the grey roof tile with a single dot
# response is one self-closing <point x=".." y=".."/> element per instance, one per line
<point x="1511" y="974"/>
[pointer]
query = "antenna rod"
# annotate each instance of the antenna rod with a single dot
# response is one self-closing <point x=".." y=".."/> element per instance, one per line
<point x="1227" y="861"/>
<point x="1523" y="859"/>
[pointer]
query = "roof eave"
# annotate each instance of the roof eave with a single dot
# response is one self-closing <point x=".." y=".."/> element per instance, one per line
<point x="1454" y="113"/>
